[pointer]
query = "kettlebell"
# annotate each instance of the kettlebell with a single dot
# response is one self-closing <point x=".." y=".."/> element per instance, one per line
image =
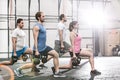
<point x="14" y="59"/>
<point x="78" y="60"/>
<point x="36" y="61"/>
<point x="62" y="51"/>
<point x="24" y="57"/>
<point x="74" y="62"/>
<point x="44" y="59"/>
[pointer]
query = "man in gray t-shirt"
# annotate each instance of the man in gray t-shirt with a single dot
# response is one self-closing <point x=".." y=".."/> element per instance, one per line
<point x="61" y="46"/>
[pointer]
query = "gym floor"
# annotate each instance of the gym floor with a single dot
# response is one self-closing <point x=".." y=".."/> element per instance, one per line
<point x="108" y="66"/>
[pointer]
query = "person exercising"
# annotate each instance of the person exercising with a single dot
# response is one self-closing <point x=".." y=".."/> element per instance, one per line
<point x="19" y="47"/>
<point x="18" y="44"/>
<point x="40" y="47"/>
<point x="76" y="50"/>
<point x="61" y="46"/>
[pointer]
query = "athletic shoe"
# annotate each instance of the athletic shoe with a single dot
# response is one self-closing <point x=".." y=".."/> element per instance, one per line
<point x="59" y="75"/>
<point x="43" y="66"/>
<point x="53" y="70"/>
<point x="95" y="72"/>
<point x="18" y="72"/>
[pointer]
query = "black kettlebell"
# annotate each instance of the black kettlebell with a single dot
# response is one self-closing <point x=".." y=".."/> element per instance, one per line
<point x="24" y="57"/>
<point x="36" y="61"/>
<point x="78" y="60"/>
<point x="74" y="62"/>
<point x="14" y="59"/>
<point x="44" y="59"/>
<point x="62" y="50"/>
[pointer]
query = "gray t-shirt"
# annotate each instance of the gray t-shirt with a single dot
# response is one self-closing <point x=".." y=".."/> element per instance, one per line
<point x="61" y="26"/>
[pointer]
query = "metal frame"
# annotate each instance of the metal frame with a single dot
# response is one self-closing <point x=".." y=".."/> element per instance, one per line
<point x="38" y="5"/>
<point x="59" y="3"/>
<point x="29" y="3"/>
<point x="15" y="13"/>
<point x="8" y="27"/>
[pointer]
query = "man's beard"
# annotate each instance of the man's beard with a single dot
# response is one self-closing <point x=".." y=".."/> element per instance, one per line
<point x="21" y="27"/>
<point x="42" y="20"/>
<point x="65" y="20"/>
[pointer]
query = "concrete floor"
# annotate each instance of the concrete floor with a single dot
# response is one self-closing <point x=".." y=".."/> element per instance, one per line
<point x="108" y="66"/>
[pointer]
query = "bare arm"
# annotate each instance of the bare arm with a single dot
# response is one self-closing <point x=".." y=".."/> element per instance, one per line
<point x="72" y="37"/>
<point x="35" y="36"/>
<point x="61" y="37"/>
<point x="14" y="41"/>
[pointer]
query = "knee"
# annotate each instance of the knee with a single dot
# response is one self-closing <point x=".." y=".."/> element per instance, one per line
<point x="56" y="55"/>
<point x="91" y="51"/>
<point x="31" y="52"/>
<point x="91" y="54"/>
<point x="11" y="63"/>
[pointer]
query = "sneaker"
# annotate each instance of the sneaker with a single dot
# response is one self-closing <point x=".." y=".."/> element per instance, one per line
<point x="43" y="66"/>
<point x="59" y="75"/>
<point x="18" y="72"/>
<point x="95" y="72"/>
<point x="53" y="70"/>
<point x="35" y="69"/>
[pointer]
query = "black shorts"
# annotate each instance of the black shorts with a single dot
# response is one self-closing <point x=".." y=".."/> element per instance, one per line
<point x="77" y="54"/>
<point x="71" y="54"/>
<point x="45" y="52"/>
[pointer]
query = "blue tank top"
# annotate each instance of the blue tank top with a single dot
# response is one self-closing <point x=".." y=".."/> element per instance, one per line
<point x="41" y="37"/>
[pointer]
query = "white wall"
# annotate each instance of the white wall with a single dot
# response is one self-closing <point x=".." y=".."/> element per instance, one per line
<point x="3" y="25"/>
<point x="50" y="8"/>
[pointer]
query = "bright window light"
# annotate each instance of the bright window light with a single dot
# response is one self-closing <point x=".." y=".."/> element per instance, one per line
<point x="94" y="17"/>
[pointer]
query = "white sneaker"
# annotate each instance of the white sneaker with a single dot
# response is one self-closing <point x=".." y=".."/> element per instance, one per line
<point x="18" y="72"/>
